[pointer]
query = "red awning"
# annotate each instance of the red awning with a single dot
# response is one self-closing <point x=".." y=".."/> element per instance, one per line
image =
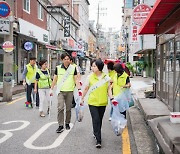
<point x="159" y="12"/>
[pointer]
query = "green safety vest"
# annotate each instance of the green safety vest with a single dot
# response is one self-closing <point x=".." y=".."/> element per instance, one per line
<point x="44" y="80"/>
<point x="31" y="73"/>
<point x="118" y="83"/>
<point x="69" y="83"/>
<point x="99" y="96"/>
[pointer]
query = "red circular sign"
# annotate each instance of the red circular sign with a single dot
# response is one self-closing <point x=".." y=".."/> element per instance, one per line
<point x="8" y="46"/>
<point x="74" y="54"/>
<point x="4" y="9"/>
<point x="140" y="13"/>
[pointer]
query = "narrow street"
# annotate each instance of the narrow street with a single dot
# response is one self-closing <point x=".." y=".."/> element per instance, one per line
<point x="34" y="134"/>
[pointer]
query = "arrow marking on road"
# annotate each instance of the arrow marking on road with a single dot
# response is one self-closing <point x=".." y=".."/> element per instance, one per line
<point x="57" y="142"/>
<point x="15" y="100"/>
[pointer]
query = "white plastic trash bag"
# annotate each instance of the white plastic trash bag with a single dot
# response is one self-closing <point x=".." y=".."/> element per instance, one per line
<point x="79" y="108"/>
<point x="79" y="112"/>
<point x="118" y="121"/>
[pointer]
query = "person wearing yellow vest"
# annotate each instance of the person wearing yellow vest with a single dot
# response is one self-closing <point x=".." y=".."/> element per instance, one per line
<point x="111" y="73"/>
<point x="66" y="78"/>
<point x="120" y="81"/>
<point x="43" y="82"/>
<point x="97" y="99"/>
<point x="79" y="78"/>
<point x="28" y="77"/>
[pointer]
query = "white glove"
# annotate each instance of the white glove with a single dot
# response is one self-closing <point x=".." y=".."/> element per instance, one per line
<point x="51" y="92"/>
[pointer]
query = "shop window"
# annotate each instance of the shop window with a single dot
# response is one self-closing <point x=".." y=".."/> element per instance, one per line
<point x="26" y="5"/>
<point x="40" y="11"/>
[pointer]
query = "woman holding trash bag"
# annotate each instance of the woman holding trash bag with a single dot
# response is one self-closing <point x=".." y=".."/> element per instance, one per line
<point x="120" y="81"/>
<point x="111" y="73"/>
<point x="43" y="79"/>
<point x="96" y="95"/>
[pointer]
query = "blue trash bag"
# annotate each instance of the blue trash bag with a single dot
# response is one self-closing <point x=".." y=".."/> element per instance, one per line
<point x="124" y="100"/>
<point x="118" y="121"/>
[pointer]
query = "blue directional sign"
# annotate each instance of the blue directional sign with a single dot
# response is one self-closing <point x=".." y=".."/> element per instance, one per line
<point x="4" y="9"/>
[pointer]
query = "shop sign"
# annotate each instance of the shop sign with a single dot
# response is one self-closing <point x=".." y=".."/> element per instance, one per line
<point x="4" y="26"/>
<point x="8" y="46"/>
<point x="140" y="13"/>
<point x="45" y="38"/>
<point x="74" y="54"/>
<point x="67" y="26"/>
<point x="4" y="9"/>
<point x="134" y="33"/>
<point x="28" y="46"/>
<point x="7" y="77"/>
<point x="71" y="43"/>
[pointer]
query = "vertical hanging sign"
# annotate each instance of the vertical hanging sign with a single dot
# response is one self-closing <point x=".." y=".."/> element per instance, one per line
<point x="67" y="26"/>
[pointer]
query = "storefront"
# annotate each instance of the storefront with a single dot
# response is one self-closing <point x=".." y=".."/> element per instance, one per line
<point x="32" y="42"/>
<point x="164" y="21"/>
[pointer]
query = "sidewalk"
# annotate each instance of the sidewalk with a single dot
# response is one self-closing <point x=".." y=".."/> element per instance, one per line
<point x="15" y="90"/>
<point x="156" y="114"/>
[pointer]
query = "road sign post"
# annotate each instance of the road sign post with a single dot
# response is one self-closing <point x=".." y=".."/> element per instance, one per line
<point x="8" y="54"/>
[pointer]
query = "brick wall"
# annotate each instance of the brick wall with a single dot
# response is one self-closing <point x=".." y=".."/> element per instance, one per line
<point x="33" y="16"/>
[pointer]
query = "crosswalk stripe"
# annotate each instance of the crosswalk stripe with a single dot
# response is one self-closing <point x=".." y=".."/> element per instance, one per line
<point x="126" y="149"/>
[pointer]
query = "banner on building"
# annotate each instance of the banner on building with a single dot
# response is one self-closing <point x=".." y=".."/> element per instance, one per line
<point x="67" y="24"/>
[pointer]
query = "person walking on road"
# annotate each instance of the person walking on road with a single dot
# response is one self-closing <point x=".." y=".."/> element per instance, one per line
<point x="79" y="78"/>
<point x="120" y="81"/>
<point x="111" y="73"/>
<point x="28" y="77"/>
<point x="96" y="95"/>
<point x="43" y="82"/>
<point x="66" y="78"/>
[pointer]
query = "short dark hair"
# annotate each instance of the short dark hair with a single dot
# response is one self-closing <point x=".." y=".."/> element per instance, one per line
<point x="64" y="55"/>
<point x="118" y="68"/>
<point x="32" y="58"/>
<point x="42" y="62"/>
<point x="99" y="63"/>
<point x="110" y="66"/>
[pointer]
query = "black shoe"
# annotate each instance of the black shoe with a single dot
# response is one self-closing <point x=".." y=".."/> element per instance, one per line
<point x="67" y="127"/>
<point x="98" y="145"/>
<point x="60" y="129"/>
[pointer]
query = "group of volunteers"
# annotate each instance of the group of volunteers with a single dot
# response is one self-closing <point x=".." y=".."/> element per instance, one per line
<point x="99" y="89"/>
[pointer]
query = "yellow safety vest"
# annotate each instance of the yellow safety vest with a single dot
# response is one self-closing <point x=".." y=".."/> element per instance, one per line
<point x="31" y="73"/>
<point x="111" y="74"/>
<point x="99" y="96"/>
<point x="44" y="80"/>
<point x="118" y="83"/>
<point x="69" y="83"/>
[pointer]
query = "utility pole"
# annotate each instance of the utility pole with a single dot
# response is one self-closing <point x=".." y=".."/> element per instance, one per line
<point x="97" y="40"/>
<point x="8" y="61"/>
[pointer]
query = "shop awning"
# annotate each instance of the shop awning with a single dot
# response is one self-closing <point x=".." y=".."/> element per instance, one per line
<point x="144" y="51"/>
<point x="161" y="11"/>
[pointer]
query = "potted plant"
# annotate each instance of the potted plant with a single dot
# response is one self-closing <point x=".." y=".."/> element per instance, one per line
<point x="131" y="68"/>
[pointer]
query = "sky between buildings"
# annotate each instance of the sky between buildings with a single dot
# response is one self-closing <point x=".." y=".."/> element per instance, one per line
<point x="110" y="17"/>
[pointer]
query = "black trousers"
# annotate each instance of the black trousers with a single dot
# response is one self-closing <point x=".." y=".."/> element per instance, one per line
<point x="28" y="94"/>
<point x="97" y="113"/>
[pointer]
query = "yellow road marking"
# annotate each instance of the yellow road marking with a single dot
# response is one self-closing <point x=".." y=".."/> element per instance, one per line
<point x="14" y="101"/>
<point x="126" y="149"/>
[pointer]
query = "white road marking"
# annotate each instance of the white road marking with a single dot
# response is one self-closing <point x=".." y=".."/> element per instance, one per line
<point x="57" y="142"/>
<point x="8" y="133"/>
